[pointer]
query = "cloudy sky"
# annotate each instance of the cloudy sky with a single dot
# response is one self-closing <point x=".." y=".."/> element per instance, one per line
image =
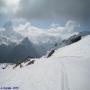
<point x="43" y="13"/>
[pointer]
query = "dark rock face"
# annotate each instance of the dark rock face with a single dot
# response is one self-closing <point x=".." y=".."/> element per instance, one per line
<point x="70" y="40"/>
<point x="75" y="38"/>
<point x="50" y="53"/>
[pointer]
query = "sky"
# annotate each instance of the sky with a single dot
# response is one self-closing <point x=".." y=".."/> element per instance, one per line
<point x="46" y="13"/>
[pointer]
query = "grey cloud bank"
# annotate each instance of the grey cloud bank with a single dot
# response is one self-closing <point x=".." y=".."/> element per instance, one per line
<point x="44" y="10"/>
<point x="49" y="9"/>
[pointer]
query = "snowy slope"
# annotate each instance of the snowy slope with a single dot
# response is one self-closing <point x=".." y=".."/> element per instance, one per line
<point x="67" y="69"/>
<point x="79" y="49"/>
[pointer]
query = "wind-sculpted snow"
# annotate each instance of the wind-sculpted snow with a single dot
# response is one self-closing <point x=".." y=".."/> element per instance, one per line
<point x="67" y="69"/>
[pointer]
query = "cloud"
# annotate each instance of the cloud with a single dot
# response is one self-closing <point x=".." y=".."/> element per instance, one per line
<point x="54" y="9"/>
<point x="70" y="26"/>
<point x="38" y="36"/>
<point x="1" y="3"/>
<point x="9" y="7"/>
<point x="52" y="34"/>
<point x="45" y="10"/>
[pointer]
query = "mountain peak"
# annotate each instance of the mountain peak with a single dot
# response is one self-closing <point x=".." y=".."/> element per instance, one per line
<point x="26" y="41"/>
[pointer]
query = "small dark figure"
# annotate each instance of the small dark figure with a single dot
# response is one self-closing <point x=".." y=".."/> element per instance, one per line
<point x="31" y="62"/>
<point x="17" y="64"/>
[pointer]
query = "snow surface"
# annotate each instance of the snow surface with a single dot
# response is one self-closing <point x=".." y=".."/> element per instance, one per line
<point x="67" y="69"/>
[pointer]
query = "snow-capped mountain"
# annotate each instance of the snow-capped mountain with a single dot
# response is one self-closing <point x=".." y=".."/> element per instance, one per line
<point x="67" y="69"/>
<point x="13" y="52"/>
<point x="24" y="49"/>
